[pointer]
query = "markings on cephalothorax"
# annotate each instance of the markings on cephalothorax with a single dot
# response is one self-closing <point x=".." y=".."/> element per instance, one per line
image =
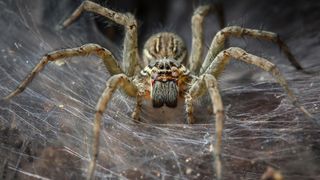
<point x="157" y="44"/>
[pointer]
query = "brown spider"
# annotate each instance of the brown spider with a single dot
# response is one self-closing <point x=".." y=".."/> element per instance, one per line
<point x="162" y="76"/>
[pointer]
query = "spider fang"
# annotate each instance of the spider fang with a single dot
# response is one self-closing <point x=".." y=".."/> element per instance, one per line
<point x="165" y="92"/>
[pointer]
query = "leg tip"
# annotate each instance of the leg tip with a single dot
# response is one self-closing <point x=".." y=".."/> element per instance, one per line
<point x="191" y="120"/>
<point x="59" y="27"/>
<point x="306" y="112"/>
<point x="91" y="170"/>
<point x="135" y="117"/>
<point x="6" y="98"/>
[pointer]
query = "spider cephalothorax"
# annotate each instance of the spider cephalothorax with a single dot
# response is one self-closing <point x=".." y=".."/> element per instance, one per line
<point x="165" y="76"/>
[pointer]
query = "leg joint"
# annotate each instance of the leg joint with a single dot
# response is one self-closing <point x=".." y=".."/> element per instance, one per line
<point x="85" y="4"/>
<point x="131" y="22"/>
<point x="231" y="30"/>
<point x="99" y="111"/>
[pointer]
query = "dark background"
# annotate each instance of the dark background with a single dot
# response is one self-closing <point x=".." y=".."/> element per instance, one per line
<point x="46" y="131"/>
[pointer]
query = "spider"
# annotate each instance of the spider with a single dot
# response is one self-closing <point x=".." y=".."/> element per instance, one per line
<point x="165" y="75"/>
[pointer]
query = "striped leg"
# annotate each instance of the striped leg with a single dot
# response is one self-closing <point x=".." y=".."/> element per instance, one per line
<point x="197" y="20"/>
<point x="223" y="58"/>
<point x="218" y="43"/>
<point x="209" y="82"/>
<point x="116" y="81"/>
<point x="88" y="49"/>
<point x="130" y="49"/>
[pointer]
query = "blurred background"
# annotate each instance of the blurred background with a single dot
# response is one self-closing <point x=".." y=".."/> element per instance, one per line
<point x="45" y="132"/>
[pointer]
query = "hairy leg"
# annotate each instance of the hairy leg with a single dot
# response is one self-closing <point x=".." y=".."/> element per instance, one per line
<point x="223" y="58"/>
<point x="88" y="49"/>
<point x="136" y="113"/>
<point x="209" y="82"/>
<point x="197" y="33"/>
<point x="219" y="40"/>
<point x="116" y="81"/>
<point x="130" y="46"/>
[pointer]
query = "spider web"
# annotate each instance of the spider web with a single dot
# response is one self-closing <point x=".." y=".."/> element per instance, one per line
<point x="46" y="131"/>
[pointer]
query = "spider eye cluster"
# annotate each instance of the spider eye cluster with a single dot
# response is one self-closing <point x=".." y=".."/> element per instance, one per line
<point x="164" y="69"/>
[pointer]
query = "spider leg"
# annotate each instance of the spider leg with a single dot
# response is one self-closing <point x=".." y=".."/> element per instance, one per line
<point x="116" y="81"/>
<point x="88" y="49"/>
<point x="218" y="43"/>
<point x="222" y="59"/>
<point x="197" y="32"/>
<point x="208" y="81"/>
<point x="136" y="113"/>
<point x="130" y="50"/>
